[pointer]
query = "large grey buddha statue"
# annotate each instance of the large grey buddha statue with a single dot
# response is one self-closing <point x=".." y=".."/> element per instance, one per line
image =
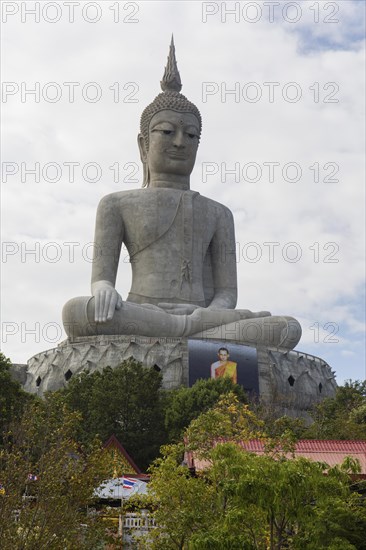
<point x="181" y="246"/>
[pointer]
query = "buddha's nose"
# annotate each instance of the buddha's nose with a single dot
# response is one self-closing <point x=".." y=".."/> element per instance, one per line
<point x="178" y="139"/>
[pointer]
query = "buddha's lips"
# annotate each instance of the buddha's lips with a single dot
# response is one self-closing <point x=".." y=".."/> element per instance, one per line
<point x="177" y="155"/>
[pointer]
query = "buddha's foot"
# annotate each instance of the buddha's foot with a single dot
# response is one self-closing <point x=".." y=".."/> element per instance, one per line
<point x="265" y="331"/>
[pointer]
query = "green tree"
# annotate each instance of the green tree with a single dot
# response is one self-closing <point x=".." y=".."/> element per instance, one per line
<point x="126" y="401"/>
<point x="185" y="404"/>
<point x="12" y="397"/>
<point x="229" y="419"/>
<point x="342" y="416"/>
<point x="184" y="504"/>
<point x="275" y="423"/>
<point x="48" y="510"/>
<point x="240" y="500"/>
<point x="281" y="503"/>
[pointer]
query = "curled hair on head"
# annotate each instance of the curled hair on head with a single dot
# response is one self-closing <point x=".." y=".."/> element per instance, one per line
<point x="169" y="99"/>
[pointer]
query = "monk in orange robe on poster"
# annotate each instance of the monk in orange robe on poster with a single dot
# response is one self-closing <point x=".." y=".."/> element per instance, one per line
<point x="223" y="367"/>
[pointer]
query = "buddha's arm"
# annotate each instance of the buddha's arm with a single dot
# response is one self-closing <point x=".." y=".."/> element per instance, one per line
<point x="108" y="242"/>
<point x="224" y="263"/>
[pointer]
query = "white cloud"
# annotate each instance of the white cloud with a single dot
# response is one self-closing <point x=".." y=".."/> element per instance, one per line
<point x="347" y="353"/>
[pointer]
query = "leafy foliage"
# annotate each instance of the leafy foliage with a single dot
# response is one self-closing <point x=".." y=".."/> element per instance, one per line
<point x="129" y="402"/>
<point x="185" y="404"/>
<point x="245" y="501"/>
<point x="12" y="398"/>
<point x="126" y="401"/>
<point x="240" y="500"/>
<point x="341" y="417"/>
<point x="184" y="504"/>
<point x="228" y="419"/>
<point x="48" y="479"/>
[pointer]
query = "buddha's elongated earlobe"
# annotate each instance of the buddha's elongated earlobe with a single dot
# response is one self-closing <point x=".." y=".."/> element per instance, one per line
<point x="146" y="175"/>
<point x="143" y="156"/>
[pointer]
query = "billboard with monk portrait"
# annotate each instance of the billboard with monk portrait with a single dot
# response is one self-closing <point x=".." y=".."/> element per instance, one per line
<point x="216" y="359"/>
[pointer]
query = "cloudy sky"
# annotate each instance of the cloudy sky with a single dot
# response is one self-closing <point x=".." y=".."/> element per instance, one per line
<point x="280" y="87"/>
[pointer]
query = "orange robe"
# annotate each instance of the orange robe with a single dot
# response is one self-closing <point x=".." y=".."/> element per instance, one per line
<point x="227" y="370"/>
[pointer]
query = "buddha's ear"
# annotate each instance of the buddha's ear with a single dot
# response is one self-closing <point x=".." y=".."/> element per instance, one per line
<point x="143" y="156"/>
<point x="142" y="147"/>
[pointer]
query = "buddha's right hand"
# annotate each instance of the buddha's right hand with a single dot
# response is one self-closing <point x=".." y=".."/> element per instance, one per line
<point x="107" y="300"/>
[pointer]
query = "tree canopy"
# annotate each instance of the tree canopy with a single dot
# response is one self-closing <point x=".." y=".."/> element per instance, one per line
<point x="13" y="398"/>
<point x="129" y="402"/>
<point x="47" y="480"/>
<point x="185" y="404"/>
<point x="126" y="401"/>
<point x="245" y="501"/>
<point x="240" y="500"/>
<point x="342" y="416"/>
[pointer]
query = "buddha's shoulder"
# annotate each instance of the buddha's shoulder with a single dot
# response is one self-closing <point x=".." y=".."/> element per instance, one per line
<point x="216" y="206"/>
<point x="121" y="197"/>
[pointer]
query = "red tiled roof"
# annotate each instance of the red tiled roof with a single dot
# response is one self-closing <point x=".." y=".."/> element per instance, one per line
<point x="313" y="445"/>
<point x="331" y="445"/>
<point x="332" y="452"/>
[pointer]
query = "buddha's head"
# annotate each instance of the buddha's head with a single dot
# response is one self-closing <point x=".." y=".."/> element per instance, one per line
<point x="170" y="128"/>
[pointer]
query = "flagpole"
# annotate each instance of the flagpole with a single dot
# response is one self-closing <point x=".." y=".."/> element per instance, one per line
<point x="131" y="485"/>
<point x="122" y="520"/>
<point x="120" y="526"/>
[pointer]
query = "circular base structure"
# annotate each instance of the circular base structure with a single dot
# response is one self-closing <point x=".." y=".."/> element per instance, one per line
<point x="52" y="369"/>
<point x="293" y="381"/>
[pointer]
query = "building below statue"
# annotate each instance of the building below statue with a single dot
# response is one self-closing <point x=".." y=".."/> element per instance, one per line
<point x="292" y="380"/>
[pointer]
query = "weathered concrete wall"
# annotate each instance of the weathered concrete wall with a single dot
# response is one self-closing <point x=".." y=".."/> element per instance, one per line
<point x="51" y="369"/>
<point x="291" y="381"/>
<point x="294" y="381"/>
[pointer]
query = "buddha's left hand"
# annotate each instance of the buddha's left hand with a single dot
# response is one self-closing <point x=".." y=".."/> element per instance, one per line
<point x="178" y="309"/>
<point x="247" y="314"/>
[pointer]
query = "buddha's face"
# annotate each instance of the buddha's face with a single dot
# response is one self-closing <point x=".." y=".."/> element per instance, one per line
<point x="173" y="143"/>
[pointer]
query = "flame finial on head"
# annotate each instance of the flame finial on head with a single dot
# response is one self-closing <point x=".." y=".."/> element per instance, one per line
<point x="171" y="80"/>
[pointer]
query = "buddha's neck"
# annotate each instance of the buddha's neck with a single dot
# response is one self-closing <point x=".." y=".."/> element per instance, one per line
<point x="169" y="181"/>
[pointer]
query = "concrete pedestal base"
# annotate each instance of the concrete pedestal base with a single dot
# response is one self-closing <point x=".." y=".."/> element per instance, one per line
<point x="293" y="381"/>
<point x="51" y="369"/>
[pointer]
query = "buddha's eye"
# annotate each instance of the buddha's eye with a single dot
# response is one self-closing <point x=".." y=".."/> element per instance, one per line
<point x="167" y="132"/>
<point x="192" y="136"/>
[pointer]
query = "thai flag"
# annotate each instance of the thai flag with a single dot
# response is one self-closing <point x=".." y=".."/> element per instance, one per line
<point x="128" y="483"/>
<point x="32" y="477"/>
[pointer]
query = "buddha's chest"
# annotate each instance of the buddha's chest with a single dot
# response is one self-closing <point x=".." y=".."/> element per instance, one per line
<point x="171" y="219"/>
